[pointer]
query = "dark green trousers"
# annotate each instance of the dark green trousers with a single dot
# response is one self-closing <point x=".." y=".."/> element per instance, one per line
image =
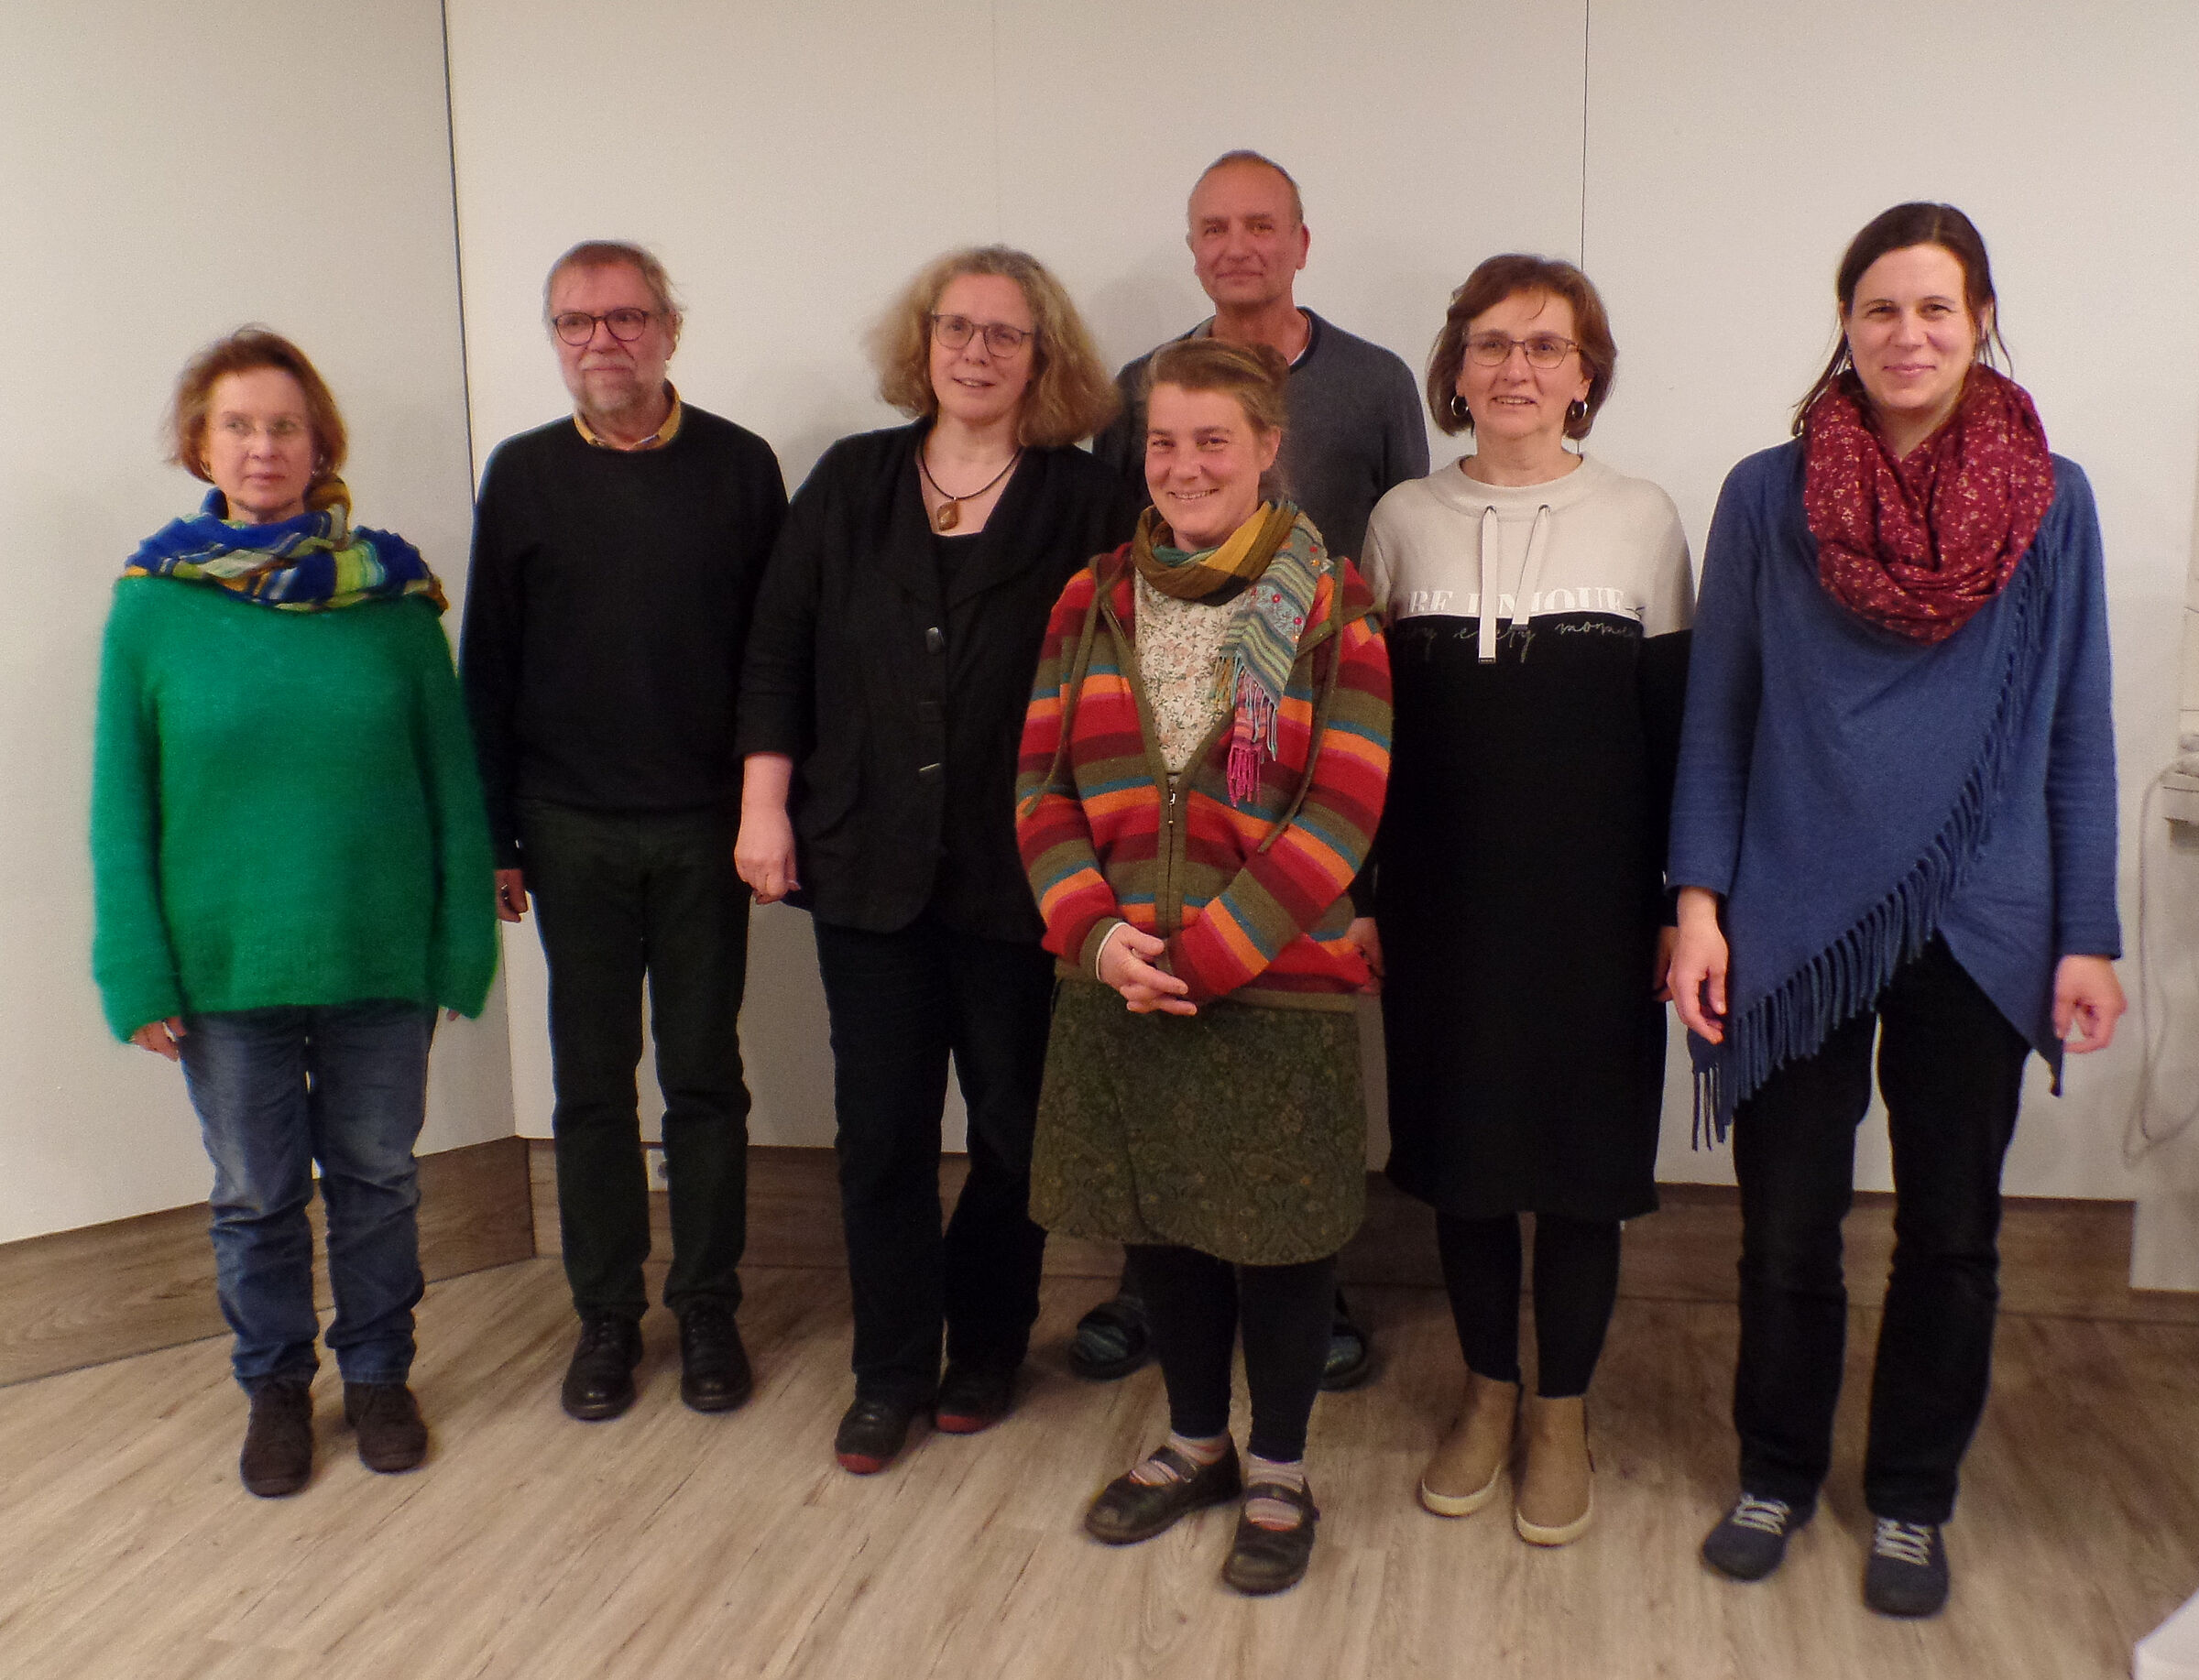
<point x="622" y="901"/>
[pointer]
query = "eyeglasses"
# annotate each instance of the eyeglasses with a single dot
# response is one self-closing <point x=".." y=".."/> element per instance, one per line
<point x="1544" y="350"/>
<point x="956" y="331"/>
<point x="243" y="431"/>
<point x="577" y="326"/>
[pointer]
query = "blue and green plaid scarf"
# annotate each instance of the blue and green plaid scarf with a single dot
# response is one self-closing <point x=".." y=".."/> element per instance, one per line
<point x="309" y="564"/>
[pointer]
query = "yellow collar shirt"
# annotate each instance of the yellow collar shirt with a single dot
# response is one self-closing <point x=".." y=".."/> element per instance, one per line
<point x="657" y="440"/>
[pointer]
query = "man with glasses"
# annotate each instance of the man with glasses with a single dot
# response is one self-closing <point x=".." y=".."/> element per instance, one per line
<point x="616" y="560"/>
<point x="1355" y="430"/>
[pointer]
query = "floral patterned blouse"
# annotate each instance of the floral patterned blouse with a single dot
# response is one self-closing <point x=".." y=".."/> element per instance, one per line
<point x="1179" y="655"/>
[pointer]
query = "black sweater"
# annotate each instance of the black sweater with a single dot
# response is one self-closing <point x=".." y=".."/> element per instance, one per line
<point x="605" y="614"/>
<point x="900" y="696"/>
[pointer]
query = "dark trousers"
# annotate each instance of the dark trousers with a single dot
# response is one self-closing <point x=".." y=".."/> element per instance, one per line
<point x="1197" y="1305"/>
<point x="1951" y="1067"/>
<point x="900" y="1004"/>
<point x="624" y="901"/>
<point x="1576" y="1283"/>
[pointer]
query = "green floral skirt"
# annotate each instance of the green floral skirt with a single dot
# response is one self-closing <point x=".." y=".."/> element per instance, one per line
<point x="1240" y="1131"/>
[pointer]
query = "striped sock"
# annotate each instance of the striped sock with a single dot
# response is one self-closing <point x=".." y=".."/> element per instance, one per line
<point x="1274" y="1513"/>
<point x="1202" y="1450"/>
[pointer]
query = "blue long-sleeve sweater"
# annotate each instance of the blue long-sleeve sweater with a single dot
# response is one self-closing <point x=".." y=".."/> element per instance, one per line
<point x="1850" y="793"/>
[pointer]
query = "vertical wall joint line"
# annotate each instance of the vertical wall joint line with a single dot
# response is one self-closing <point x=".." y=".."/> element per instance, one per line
<point x="999" y="202"/>
<point x="465" y="365"/>
<point x="1586" y="5"/>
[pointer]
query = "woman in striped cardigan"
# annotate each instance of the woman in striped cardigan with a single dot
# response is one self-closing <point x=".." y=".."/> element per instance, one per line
<point x="1202" y="770"/>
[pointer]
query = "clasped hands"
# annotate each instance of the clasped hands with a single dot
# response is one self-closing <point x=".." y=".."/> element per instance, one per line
<point x="1124" y="964"/>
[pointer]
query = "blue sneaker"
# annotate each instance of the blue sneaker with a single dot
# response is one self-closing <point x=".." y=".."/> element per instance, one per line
<point x="1750" y="1540"/>
<point x="1907" y="1572"/>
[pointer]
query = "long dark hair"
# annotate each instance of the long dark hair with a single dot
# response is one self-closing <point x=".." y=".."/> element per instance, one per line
<point x="1896" y="229"/>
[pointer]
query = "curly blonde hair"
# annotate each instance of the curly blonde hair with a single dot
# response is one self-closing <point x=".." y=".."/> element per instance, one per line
<point x="1070" y="396"/>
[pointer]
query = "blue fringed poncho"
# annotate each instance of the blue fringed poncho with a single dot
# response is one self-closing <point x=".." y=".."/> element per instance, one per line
<point x="1850" y="794"/>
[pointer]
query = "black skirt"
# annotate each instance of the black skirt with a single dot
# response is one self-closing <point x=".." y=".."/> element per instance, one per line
<point x="1520" y="892"/>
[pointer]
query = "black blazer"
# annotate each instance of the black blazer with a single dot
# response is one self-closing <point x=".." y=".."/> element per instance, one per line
<point x="901" y="703"/>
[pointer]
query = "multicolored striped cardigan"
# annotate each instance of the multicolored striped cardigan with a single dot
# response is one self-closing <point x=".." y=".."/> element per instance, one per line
<point x="1251" y="899"/>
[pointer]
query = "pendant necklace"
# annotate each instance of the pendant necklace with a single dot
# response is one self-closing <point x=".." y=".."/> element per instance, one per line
<point x="950" y="510"/>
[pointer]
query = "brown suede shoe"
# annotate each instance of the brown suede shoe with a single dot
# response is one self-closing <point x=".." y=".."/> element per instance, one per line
<point x="1463" y="1474"/>
<point x="278" y="1439"/>
<point x="1556" y="1497"/>
<point x="392" y="1434"/>
<point x="1128" y="1511"/>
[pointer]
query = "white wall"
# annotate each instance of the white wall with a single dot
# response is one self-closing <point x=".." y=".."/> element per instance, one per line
<point x="792" y="169"/>
<point x="792" y="165"/>
<point x="174" y="172"/>
<point x="1733" y="152"/>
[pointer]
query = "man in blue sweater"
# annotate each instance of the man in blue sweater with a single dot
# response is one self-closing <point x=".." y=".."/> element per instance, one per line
<point x="617" y="555"/>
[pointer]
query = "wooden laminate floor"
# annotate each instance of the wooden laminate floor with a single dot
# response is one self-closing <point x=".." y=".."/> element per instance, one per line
<point x="670" y="1545"/>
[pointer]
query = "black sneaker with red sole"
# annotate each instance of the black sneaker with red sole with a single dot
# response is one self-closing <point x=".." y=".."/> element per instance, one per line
<point x="872" y="1432"/>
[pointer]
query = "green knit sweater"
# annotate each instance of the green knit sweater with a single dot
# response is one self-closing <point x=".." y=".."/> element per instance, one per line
<point x="284" y="810"/>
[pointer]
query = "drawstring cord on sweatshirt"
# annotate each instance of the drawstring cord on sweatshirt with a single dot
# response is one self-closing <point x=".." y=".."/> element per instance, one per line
<point x="1522" y="603"/>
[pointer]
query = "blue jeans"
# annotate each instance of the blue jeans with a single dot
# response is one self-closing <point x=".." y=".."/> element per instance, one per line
<point x="278" y="1089"/>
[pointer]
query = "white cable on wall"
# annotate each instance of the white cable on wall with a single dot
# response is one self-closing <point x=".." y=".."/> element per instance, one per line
<point x="2177" y="788"/>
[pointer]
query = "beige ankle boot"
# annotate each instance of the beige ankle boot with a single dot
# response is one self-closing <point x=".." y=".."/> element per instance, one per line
<point x="1462" y="1476"/>
<point x="1557" y="1481"/>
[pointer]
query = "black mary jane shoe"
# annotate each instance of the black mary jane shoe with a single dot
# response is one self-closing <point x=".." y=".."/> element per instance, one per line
<point x="1265" y="1560"/>
<point x="1129" y="1511"/>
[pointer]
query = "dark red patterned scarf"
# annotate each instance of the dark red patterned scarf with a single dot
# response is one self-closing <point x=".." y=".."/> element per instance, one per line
<point x="1917" y="546"/>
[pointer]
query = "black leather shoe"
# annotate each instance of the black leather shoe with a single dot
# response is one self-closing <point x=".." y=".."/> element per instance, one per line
<point x="1265" y="1560"/>
<point x="973" y="1397"/>
<point x="599" y="1383"/>
<point x="714" y="1366"/>
<point x="872" y="1432"/>
<point x="1128" y="1510"/>
<point x="278" y="1440"/>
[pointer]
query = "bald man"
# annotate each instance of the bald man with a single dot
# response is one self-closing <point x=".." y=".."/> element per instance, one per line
<point x="1355" y="421"/>
<point x="1355" y="430"/>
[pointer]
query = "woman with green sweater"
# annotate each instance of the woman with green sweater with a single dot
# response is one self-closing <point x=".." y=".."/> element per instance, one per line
<point x="293" y="870"/>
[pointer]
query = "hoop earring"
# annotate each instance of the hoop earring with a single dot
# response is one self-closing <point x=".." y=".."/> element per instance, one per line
<point x="1461" y="415"/>
<point x="1577" y="410"/>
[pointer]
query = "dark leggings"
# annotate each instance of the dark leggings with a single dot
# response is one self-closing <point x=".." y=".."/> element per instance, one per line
<point x="1195" y="1304"/>
<point x="1576" y="1281"/>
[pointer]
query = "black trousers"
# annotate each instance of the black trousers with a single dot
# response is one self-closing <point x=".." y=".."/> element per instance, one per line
<point x="624" y="901"/>
<point x="1576" y="1283"/>
<point x="1197" y="1305"/>
<point x="900" y="1004"/>
<point x="1951" y="1068"/>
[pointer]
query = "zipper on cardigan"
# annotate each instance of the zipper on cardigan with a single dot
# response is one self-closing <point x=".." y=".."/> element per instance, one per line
<point x="1167" y="901"/>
